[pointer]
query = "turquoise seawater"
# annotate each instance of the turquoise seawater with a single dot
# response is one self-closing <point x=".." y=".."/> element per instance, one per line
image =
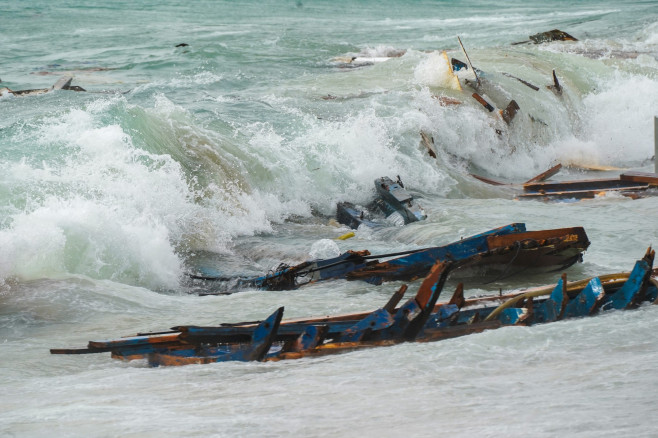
<point x="220" y="135"/>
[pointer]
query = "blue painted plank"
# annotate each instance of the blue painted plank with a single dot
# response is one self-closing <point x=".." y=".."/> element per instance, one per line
<point x="553" y="307"/>
<point x="377" y="320"/>
<point x="419" y="263"/>
<point x="626" y="295"/>
<point x="513" y="316"/>
<point x="262" y="339"/>
<point x="587" y="301"/>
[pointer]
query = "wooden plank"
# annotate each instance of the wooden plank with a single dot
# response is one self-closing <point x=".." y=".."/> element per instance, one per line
<point x="587" y="302"/>
<point x="483" y="102"/>
<point x="487" y="180"/>
<point x="528" y="84"/>
<point x="584" y="184"/>
<point x="509" y="113"/>
<point x="573" y="234"/>
<point x="580" y="194"/>
<point x="641" y="177"/>
<point x="427" y="140"/>
<point x="545" y="175"/>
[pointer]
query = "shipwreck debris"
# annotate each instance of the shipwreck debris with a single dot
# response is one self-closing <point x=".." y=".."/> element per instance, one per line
<point x="420" y="319"/>
<point x="509" y="249"/>
<point x="633" y="185"/>
<point x="468" y="60"/>
<point x="63" y="83"/>
<point x="526" y="83"/>
<point x="548" y="36"/>
<point x="393" y="201"/>
<point x="556" y="87"/>
<point x="630" y="184"/>
<point x="427" y="140"/>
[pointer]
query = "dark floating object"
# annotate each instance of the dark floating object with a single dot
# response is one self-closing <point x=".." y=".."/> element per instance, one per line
<point x="556" y="87"/>
<point x="63" y="83"/>
<point x="509" y="112"/>
<point x="548" y="36"/>
<point x="504" y="251"/>
<point x="526" y="83"/>
<point x="420" y="319"/>
<point x="393" y="201"/>
<point x="551" y="35"/>
<point x="458" y="65"/>
<point x="182" y="45"/>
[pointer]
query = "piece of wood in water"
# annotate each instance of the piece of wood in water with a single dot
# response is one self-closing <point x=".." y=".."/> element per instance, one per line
<point x="528" y="84"/>
<point x="428" y="141"/>
<point x="487" y="180"/>
<point x="483" y="102"/>
<point x="556" y="87"/>
<point x="545" y="175"/>
<point x="509" y="112"/>
<point x="644" y="177"/>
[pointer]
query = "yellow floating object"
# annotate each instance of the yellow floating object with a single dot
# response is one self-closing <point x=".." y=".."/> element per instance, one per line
<point x="346" y="236"/>
<point x="453" y="80"/>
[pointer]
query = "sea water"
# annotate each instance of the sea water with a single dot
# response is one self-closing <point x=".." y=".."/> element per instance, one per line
<point x="230" y="153"/>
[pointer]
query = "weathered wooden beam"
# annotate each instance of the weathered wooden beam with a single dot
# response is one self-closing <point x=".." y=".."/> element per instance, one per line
<point x="488" y="180"/>
<point x="528" y="84"/>
<point x="584" y="184"/>
<point x="641" y="177"/>
<point x="545" y="175"/>
<point x="483" y="102"/>
<point x="509" y="113"/>
<point x="427" y="140"/>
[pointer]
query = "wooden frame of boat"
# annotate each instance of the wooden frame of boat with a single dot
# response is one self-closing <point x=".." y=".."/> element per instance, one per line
<point x="420" y="319"/>
<point x="506" y="251"/>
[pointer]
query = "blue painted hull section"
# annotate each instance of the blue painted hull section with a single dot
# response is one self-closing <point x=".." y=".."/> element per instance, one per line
<point x="587" y="301"/>
<point x="419" y="319"/>
<point x="552" y="309"/>
<point x="625" y="297"/>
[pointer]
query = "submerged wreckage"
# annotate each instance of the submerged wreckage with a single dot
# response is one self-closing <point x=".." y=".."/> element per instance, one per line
<point x="420" y="319"/>
<point x="505" y="251"/>
<point x="393" y="202"/>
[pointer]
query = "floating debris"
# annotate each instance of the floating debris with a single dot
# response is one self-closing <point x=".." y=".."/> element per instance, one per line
<point x="503" y="251"/>
<point x="419" y="319"/>
<point x="548" y="36"/>
<point x="395" y="203"/>
<point x="63" y="83"/>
